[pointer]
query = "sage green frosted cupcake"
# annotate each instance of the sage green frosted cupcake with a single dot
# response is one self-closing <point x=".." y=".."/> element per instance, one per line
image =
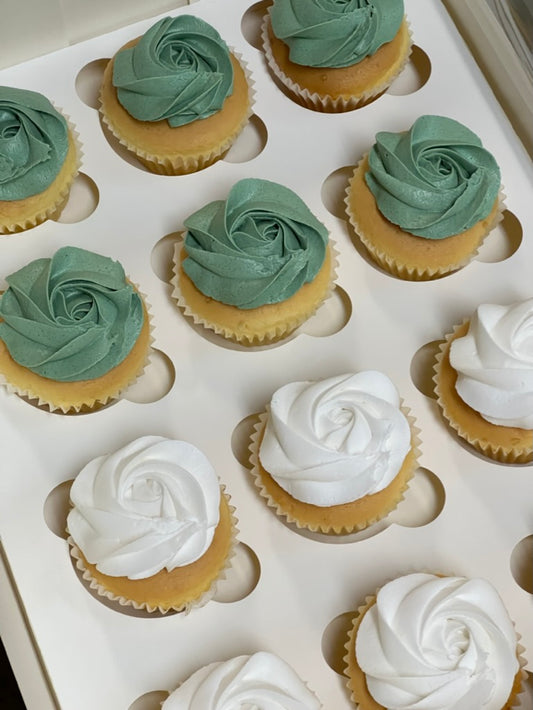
<point x="177" y="97"/>
<point x="422" y="201"/>
<point x="74" y="332"/>
<point x="333" y="56"/>
<point x="255" y="266"/>
<point x="39" y="159"/>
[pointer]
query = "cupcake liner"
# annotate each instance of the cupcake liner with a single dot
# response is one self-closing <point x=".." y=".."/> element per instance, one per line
<point x="269" y="335"/>
<point x="413" y="272"/>
<point x="323" y="102"/>
<point x="184" y="608"/>
<point x="332" y="529"/>
<point x="184" y="165"/>
<point x="498" y="443"/>
<point x="53" y="210"/>
<point x="89" y="403"/>
<point x="356" y="682"/>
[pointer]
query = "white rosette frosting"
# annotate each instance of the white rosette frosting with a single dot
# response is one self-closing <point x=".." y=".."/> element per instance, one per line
<point x="151" y="505"/>
<point x="334" y="441"/>
<point x="438" y="643"/>
<point x="261" y="681"/>
<point x="494" y="364"/>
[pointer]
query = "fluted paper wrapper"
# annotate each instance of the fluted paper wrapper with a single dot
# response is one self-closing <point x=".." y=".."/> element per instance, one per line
<point x="79" y="403"/>
<point x="415" y="272"/>
<point x="323" y="102"/>
<point x="184" y="165"/>
<point x="359" y="522"/>
<point x="509" y="445"/>
<point x="184" y="608"/>
<point x="269" y="335"/>
<point x="31" y="218"/>
<point x="356" y="682"/>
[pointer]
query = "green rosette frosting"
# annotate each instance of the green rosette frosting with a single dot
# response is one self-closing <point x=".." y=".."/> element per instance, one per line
<point x="180" y="70"/>
<point x="258" y="247"/>
<point x="335" y="33"/>
<point x="33" y="143"/>
<point x="72" y="317"/>
<point x="435" y="180"/>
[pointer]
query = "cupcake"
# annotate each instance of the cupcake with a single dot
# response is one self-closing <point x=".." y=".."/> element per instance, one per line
<point x="74" y="332"/>
<point x="335" y="455"/>
<point x="333" y="56"/>
<point x="427" y="641"/>
<point x="261" y="680"/>
<point x="150" y="526"/>
<point x="422" y="201"/>
<point x="484" y="381"/>
<point x="254" y="267"/>
<point x="176" y="97"/>
<point x="38" y="160"/>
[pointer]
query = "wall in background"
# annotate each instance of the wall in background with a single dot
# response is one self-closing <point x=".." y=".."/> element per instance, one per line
<point x="30" y="28"/>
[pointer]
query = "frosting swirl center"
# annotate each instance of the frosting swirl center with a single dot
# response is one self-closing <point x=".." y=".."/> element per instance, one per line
<point x="33" y="143"/>
<point x="72" y="317"/>
<point x="336" y="440"/>
<point x="179" y="71"/>
<point x="258" y="247"/>
<point x="335" y="33"/>
<point x="152" y="505"/>
<point x="494" y="364"/>
<point x="438" y="643"/>
<point x="435" y="180"/>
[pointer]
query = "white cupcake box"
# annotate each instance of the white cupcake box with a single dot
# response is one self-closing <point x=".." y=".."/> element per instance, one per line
<point x="287" y="593"/>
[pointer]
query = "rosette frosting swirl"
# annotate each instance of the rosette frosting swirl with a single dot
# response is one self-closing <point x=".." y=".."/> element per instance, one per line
<point x="72" y="317"/>
<point x="33" y="143"/>
<point x="438" y="643"/>
<point x="151" y="505"/>
<point x="435" y="180"/>
<point x="258" y="247"/>
<point x="336" y="440"/>
<point x="261" y="681"/>
<point x="180" y="70"/>
<point x="494" y="364"/>
<point x="335" y="33"/>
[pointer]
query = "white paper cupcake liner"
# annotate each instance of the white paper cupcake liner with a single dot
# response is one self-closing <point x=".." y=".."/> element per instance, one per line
<point x="185" y="608"/>
<point x="323" y="102"/>
<point x="410" y="272"/>
<point x="184" y="165"/>
<point x="332" y="530"/>
<point x="272" y="335"/>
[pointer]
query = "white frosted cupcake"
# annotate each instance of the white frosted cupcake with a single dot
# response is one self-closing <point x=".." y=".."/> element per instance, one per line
<point x="428" y="641"/>
<point x="335" y="455"/>
<point x="150" y="526"/>
<point x="484" y="381"/>
<point x="262" y="681"/>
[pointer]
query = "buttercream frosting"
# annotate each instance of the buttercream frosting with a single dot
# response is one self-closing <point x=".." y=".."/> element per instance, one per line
<point x="335" y="440"/>
<point x="262" y="681"/>
<point x="438" y="643"/>
<point x="33" y="143"/>
<point x="151" y="505"/>
<point x="179" y="71"/>
<point x="257" y="247"/>
<point x="72" y="317"/>
<point x="335" y="33"/>
<point x="494" y="364"/>
<point x="434" y="180"/>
